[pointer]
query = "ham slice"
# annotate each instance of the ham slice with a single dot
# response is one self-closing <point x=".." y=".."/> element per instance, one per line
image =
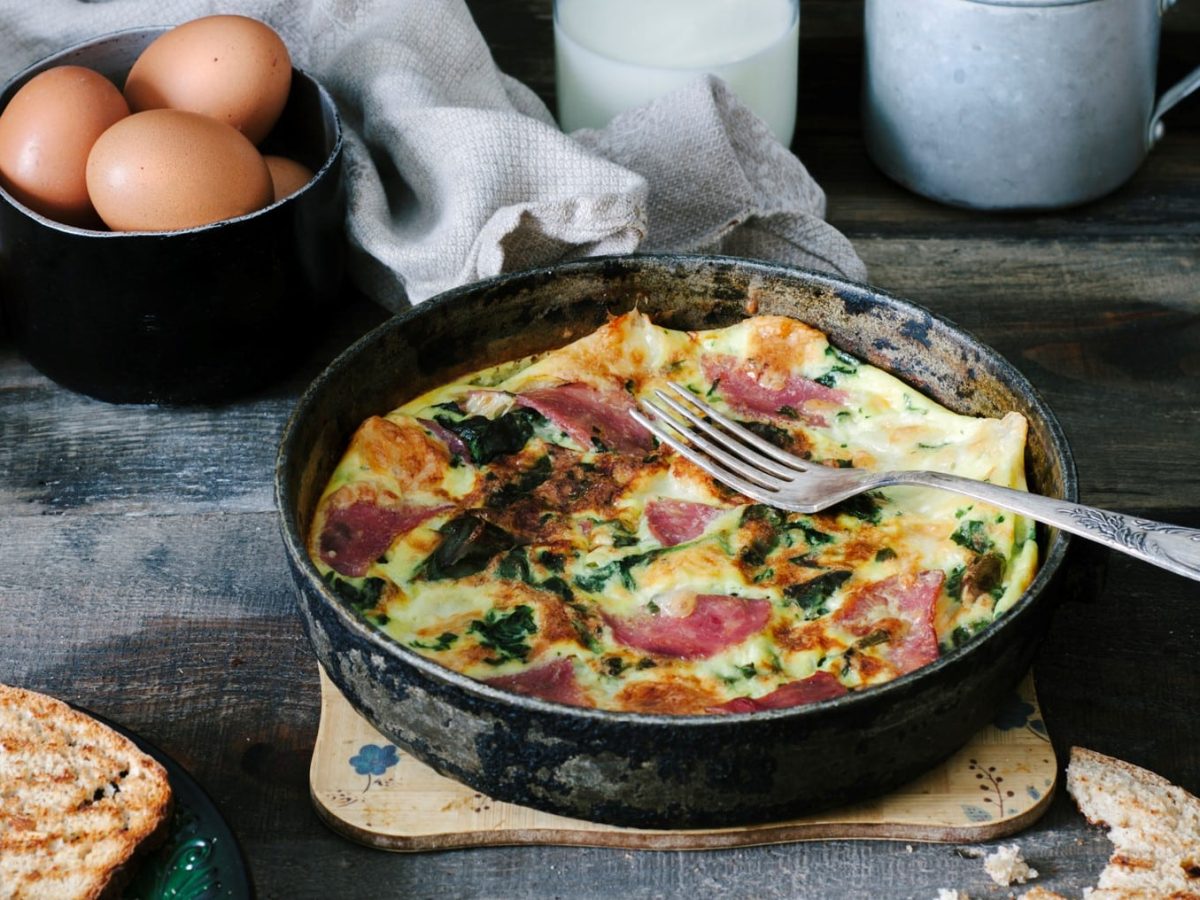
<point x="743" y="389"/>
<point x="586" y="413"/>
<point x="715" y="622"/>
<point x="552" y="681"/>
<point x="673" y="522"/>
<point x="903" y="606"/>
<point x="356" y="534"/>
<point x="816" y="687"/>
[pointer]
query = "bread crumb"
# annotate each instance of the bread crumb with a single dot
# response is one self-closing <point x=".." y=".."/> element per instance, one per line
<point x="1006" y="866"/>
<point x="908" y="848"/>
<point x="969" y="852"/>
<point x="1040" y="893"/>
<point x="948" y="894"/>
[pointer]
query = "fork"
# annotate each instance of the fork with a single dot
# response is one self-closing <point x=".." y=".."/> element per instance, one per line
<point x="737" y="457"/>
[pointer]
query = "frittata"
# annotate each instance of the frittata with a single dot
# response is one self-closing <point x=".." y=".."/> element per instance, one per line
<point x="518" y="526"/>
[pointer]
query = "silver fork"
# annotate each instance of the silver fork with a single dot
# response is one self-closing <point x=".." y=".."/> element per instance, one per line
<point x="737" y="457"/>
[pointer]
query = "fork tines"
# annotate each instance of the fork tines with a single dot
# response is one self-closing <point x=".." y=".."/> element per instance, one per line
<point x="723" y="448"/>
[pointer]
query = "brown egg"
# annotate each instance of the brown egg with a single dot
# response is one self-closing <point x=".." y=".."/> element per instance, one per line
<point x="232" y="68"/>
<point x="167" y="169"/>
<point x="46" y="132"/>
<point x="287" y="175"/>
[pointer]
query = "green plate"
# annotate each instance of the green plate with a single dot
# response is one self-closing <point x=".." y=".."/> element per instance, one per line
<point x="200" y="859"/>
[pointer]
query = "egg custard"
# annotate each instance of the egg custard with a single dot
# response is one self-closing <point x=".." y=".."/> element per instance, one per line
<point x="518" y="526"/>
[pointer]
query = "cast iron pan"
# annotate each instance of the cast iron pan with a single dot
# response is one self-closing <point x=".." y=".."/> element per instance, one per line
<point x="641" y="770"/>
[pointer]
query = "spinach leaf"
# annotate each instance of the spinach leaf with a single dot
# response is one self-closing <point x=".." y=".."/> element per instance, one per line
<point x="594" y="582"/>
<point x="443" y="642"/>
<point x="761" y="544"/>
<point x="878" y="636"/>
<point x="958" y="637"/>
<point x="514" y="566"/>
<point x="487" y="438"/>
<point x="759" y="548"/>
<point x="954" y="582"/>
<point x="812" y="535"/>
<point x="362" y="596"/>
<point x="552" y="560"/>
<point x="772" y="434"/>
<point x="468" y="545"/>
<point x="505" y="633"/>
<point x="812" y="594"/>
<point x="972" y="534"/>
<point x="557" y="586"/>
<point x="862" y="506"/>
<point x="830" y="378"/>
<point x="962" y="634"/>
<point x="580" y="622"/>
<point x="621" y="536"/>
<point x="755" y="553"/>
<point x="614" y="666"/>
<point x="757" y="512"/>
<point x="842" y="357"/>
<point x="587" y="638"/>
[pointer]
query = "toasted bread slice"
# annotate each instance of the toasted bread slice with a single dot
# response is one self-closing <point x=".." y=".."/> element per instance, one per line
<point x="77" y="800"/>
<point x="1040" y="893"/>
<point x="1154" y="827"/>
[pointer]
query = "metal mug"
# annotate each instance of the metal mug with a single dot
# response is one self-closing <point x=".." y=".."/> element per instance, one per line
<point x="1014" y="104"/>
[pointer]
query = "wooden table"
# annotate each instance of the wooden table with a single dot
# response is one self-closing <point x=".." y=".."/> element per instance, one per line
<point x="141" y="573"/>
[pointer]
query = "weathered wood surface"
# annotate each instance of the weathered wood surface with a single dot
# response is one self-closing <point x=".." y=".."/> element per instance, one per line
<point x="141" y="573"/>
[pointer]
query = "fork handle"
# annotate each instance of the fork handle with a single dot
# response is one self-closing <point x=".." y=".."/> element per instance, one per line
<point x="1171" y="547"/>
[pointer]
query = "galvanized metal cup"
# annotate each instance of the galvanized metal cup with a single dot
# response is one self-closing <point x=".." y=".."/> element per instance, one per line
<point x="1013" y="104"/>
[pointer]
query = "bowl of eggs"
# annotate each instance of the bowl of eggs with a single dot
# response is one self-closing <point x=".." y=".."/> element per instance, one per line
<point x="171" y="212"/>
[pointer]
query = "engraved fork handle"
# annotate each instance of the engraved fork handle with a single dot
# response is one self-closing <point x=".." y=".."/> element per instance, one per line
<point x="1171" y="547"/>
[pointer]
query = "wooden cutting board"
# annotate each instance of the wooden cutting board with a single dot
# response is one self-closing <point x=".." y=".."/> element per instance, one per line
<point x="368" y="790"/>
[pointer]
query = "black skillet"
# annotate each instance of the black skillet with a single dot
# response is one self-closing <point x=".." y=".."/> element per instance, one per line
<point x="642" y="770"/>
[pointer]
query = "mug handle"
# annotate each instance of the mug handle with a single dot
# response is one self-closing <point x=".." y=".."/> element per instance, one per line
<point x="1175" y="93"/>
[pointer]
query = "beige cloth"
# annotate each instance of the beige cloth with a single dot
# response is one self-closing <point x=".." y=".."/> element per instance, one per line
<point x="456" y="172"/>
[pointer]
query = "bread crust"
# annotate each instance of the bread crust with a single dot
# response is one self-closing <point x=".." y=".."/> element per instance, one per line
<point x="78" y="801"/>
<point x="1154" y="827"/>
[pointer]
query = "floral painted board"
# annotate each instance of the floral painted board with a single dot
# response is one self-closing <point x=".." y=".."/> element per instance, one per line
<point x="369" y="790"/>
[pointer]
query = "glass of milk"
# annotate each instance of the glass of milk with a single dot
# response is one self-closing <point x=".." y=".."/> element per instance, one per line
<point x="612" y="55"/>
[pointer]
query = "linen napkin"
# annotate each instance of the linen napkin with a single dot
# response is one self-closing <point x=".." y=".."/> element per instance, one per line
<point x="456" y="171"/>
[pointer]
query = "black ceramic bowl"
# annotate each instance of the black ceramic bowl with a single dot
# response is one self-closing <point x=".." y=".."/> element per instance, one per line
<point x="655" y="770"/>
<point x="199" y="315"/>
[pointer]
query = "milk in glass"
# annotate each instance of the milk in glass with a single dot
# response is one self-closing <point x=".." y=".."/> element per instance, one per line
<point x="611" y="55"/>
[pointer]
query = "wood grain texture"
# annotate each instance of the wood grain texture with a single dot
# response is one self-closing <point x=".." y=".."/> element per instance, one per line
<point x="998" y="784"/>
<point x="141" y="572"/>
